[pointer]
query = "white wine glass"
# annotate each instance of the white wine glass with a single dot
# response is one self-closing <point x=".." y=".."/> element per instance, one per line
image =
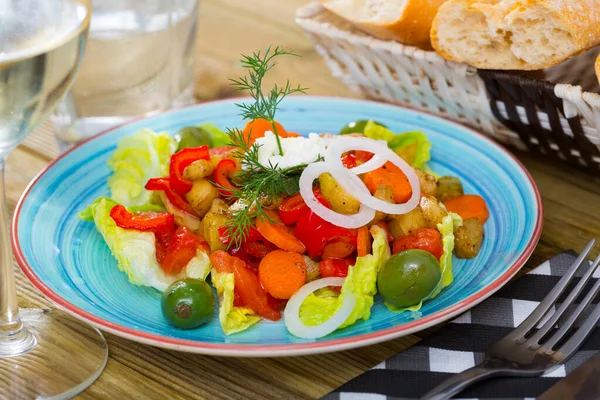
<point x="43" y="353"/>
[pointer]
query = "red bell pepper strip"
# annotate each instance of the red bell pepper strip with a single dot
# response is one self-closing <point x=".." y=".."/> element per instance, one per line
<point x="251" y="292"/>
<point x="165" y="185"/>
<point x="315" y="233"/>
<point x="335" y="267"/>
<point x="142" y="221"/>
<point x="294" y="206"/>
<point x="179" y="161"/>
<point x="222" y="175"/>
<point x="181" y="250"/>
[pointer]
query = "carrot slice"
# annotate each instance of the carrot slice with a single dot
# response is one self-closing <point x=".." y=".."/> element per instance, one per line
<point x="363" y="241"/>
<point x="393" y="176"/>
<point x="468" y="206"/>
<point x="277" y="233"/>
<point x="256" y="129"/>
<point x="282" y="273"/>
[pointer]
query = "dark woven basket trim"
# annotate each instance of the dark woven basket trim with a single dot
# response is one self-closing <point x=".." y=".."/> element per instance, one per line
<point x="515" y="90"/>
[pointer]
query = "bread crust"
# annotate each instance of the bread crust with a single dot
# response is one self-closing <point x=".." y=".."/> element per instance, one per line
<point x="579" y="18"/>
<point x="597" y="67"/>
<point x="412" y="28"/>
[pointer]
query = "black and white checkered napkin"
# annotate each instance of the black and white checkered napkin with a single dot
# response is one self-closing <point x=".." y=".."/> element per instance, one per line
<point x="462" y="344"/>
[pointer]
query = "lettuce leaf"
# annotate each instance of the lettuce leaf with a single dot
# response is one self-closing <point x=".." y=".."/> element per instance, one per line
<point x="138" y="158"/>
<point x="135" y="251"/>
<point x="361" y="281"/>
<point x="233" y="319"/>
<point x="414" y="147"/>
<point x="449" y="224"/>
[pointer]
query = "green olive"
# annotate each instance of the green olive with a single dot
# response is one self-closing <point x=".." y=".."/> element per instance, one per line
<point x="357" y="127"/>
<point x="188" y="303"/>
<point x="193" y="136"/>
<point x="408" y="277"/>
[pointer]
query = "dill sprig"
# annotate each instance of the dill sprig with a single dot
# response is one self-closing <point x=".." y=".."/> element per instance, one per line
<point x="265" y="104"/>
<point x="257" y="184"/>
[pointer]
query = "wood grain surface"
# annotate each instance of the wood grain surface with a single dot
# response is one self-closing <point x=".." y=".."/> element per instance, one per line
<point x="134" y="371"/>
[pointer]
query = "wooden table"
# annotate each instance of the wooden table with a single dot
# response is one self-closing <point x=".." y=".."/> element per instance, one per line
<point x="228" y="28"/>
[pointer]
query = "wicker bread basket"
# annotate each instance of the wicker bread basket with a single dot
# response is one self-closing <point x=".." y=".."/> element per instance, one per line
<point x="560" y="120"/>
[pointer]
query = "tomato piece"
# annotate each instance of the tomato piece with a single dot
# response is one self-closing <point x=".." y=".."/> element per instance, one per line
<point x="222" y="175"/>
<point x="349" y="160"/>
<point x="222" y="151"/>
<point x="427" y="239"/>
<point x="142" y="221"/>
<point x="258" y="248"/>
<point x="362" y="156"/>
<point x="179" y="161"/>
<point x="181" y="249"/>
<point x="294" y="206"/>
<point x="315" y="233"/>
<point x="237" y="299"/>
<point x="335" y="267"/>
<point x="246" y="282"/>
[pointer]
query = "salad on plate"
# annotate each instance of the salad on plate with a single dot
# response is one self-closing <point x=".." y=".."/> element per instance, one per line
<point x="266" y="224"/>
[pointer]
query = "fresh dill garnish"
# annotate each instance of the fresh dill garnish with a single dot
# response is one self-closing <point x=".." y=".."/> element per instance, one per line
<point x="265" y="105"/>
<point x="257" y="184"/>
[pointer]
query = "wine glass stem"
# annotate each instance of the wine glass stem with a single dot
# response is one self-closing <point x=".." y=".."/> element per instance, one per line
<point x="10" y="323"/>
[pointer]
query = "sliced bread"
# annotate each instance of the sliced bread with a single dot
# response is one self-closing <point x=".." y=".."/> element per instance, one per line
<point x="405" y="21"/>
<point x="515" y="34"/>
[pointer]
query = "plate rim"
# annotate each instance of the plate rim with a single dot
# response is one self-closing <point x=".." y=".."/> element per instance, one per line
<point x="283" y="350"/>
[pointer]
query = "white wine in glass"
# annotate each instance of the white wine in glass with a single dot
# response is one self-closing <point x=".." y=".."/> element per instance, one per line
<point x="43" y="353"/>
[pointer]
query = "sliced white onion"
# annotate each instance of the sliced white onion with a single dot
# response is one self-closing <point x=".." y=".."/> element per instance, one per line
<point x="356" y="187"/>
<point x="374" y="163"/>
<point x="291" y="314"/>
<point x="313" y="171"/>
<point x="182" y="218"/>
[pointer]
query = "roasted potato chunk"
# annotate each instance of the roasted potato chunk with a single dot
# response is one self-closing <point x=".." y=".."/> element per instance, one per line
<point x="449" y="187"/>
<point x="410" y="222"/>
<point x="432" y="210"/>
<point x="201" y="196"/>
<point x="219" y="206"/>
<point x="339" y="199"/>
<point x="468" y="238"/>
<point x="386" y="193"/>
<point x="428" y="182"/>
<point x="210" y="229"/>
<point x="198" y="170"/>
<point x="312" y="269"/>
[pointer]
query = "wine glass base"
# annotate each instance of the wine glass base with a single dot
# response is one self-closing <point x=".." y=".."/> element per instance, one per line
<point x="68" y="356"/>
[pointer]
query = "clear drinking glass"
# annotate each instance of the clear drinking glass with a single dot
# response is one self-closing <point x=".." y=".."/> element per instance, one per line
<point x="43" y="353"/>
<point x="139" y="59"/>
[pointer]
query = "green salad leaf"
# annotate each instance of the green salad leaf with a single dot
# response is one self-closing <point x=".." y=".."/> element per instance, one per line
<point x="413" y="147"/>
<point x="138" y="158"/>
<point x="135" y="251"/>
<point x="449" y="224"/>
<point x="361" y="281"/>
<point x="233" y="319"/>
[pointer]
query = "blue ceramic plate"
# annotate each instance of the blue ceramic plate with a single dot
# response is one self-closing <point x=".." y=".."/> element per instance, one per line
<point x="69" y="262"/>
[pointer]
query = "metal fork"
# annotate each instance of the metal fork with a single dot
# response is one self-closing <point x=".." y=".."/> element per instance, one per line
<point x="529" y="352"/>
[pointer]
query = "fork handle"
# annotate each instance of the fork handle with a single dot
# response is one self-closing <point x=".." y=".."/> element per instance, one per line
<point x="459" y="382"/>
